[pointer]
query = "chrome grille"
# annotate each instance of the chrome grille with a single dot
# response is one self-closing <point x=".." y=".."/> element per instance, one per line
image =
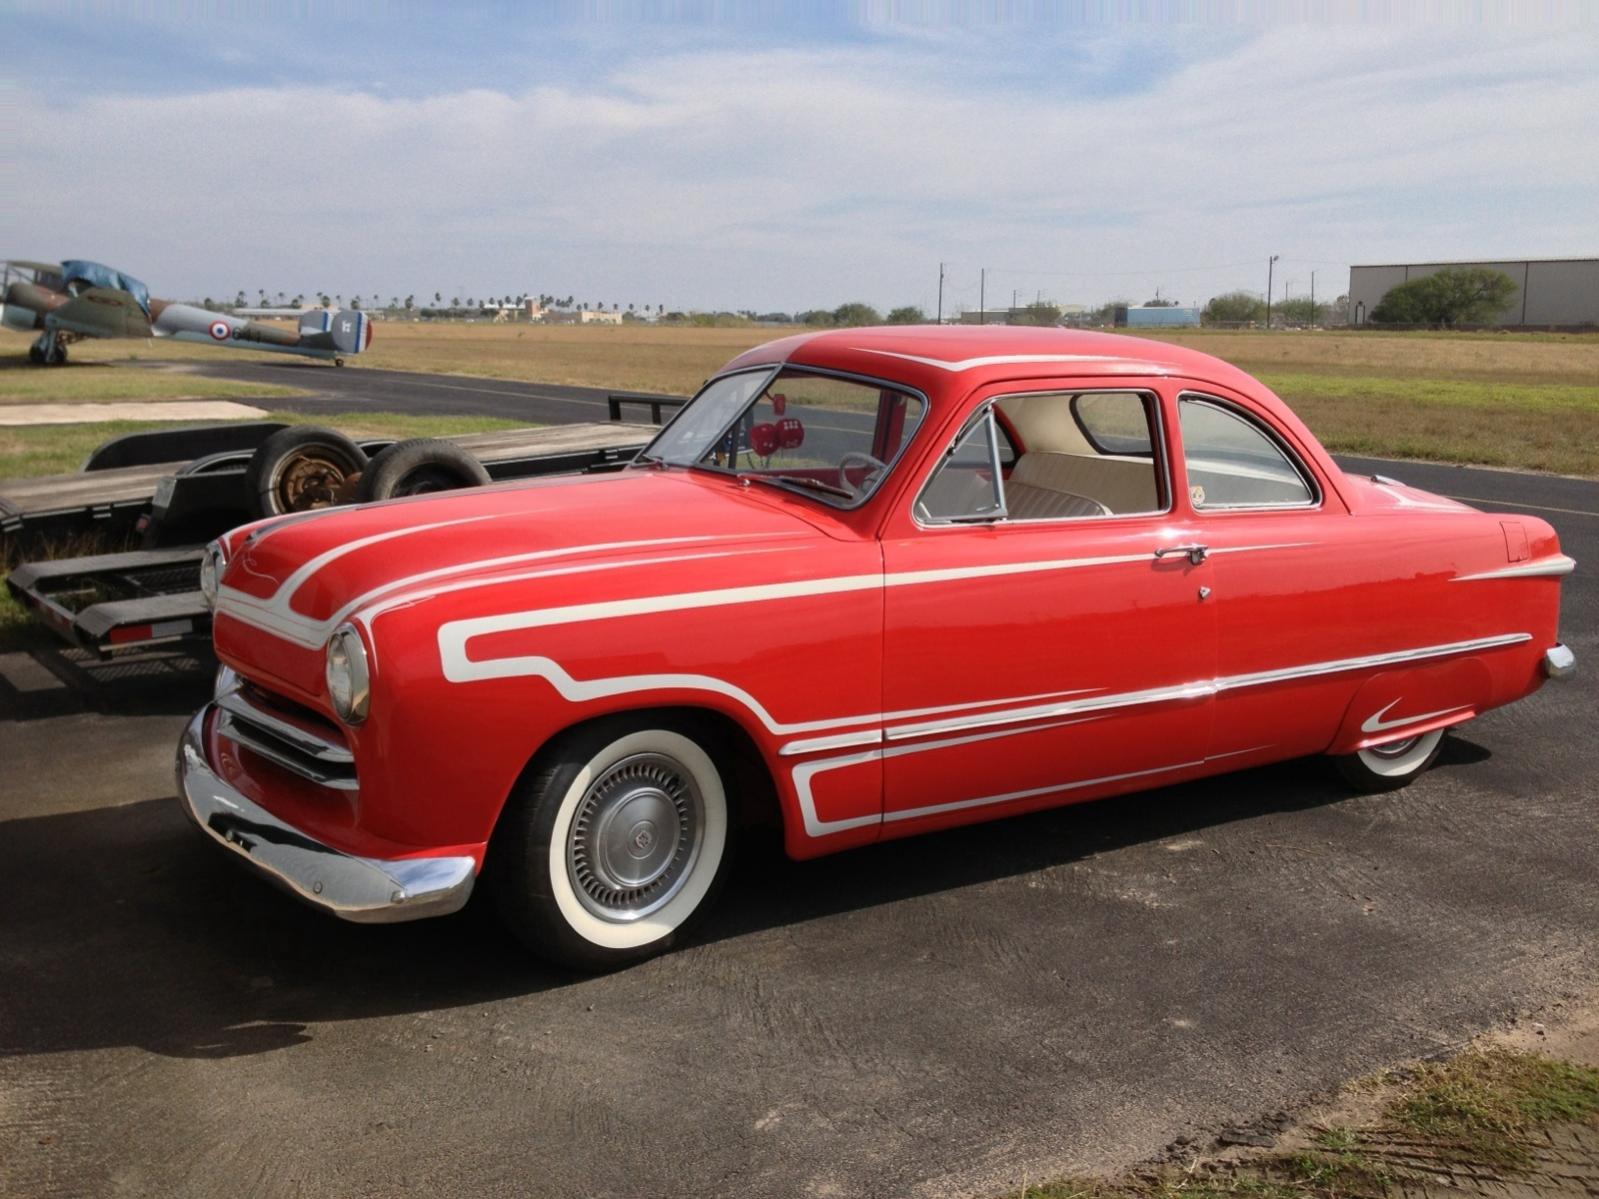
<point x="286" y="735"/>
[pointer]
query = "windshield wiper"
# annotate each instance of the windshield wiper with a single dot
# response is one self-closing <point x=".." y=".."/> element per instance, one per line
<point x="801" y="481"/>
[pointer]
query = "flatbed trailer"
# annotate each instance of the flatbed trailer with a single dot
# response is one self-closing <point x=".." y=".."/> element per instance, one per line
<point x="119" y="603"/>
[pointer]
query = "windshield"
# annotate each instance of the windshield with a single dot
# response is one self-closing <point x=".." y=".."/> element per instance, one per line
<point x="827" y="437"/>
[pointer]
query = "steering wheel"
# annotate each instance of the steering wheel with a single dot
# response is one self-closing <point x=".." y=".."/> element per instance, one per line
<point x="878" y="467"/>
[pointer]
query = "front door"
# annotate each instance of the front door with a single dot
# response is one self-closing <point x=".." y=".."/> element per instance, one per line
<point x="1047" y="636"/>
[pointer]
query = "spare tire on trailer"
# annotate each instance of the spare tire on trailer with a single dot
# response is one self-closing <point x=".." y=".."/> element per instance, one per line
<point x="301" y="468"/>
<point x="418" y="466"/>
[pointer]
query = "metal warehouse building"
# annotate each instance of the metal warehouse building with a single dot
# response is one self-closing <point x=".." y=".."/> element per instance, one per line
<point x="1549" y="291"/>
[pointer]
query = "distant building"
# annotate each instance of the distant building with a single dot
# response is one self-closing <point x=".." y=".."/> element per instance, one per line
<point x="1156" y="317"/>
<point x="593" y="316"/>
<point x="1550" y="292"/>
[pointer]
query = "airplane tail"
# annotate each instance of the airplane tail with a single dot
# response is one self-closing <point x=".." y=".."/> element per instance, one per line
<point x="349" y="331"/>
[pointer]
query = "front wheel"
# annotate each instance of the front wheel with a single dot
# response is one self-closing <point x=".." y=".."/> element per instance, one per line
<point x="613" y="843"/>
<point x="1391" y="766"/>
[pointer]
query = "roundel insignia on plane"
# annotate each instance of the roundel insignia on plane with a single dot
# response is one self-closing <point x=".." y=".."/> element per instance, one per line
<point x="220" y="330"/>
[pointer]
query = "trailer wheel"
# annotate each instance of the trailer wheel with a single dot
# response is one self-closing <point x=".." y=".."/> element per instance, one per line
<point x="418" y="466"/>
<point x="301" y="468"/>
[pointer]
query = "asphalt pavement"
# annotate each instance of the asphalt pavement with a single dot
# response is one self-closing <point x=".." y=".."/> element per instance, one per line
<point x="948" y="1015"/>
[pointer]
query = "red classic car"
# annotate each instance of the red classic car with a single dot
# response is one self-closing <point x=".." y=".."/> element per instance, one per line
<point x="870" y="582"/>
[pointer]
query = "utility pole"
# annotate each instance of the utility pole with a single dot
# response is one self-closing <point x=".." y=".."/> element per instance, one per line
<point x="1271" y="262"/>
<point x="982" y="296"/>
<point x="941" y="293"/>
<point x="1014" y="292"/>
<point x="1312" y="299"/>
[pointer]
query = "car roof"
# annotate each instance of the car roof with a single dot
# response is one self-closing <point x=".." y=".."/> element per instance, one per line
<point x="931" y="356"/>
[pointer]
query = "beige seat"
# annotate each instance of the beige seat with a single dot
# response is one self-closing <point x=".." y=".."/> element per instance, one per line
<point x="1046" y="484"/>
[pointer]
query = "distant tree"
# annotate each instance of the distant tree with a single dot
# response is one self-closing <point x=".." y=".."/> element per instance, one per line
<point x="298" y="301"/>
<point x="410" y="303"/>
<point x="856" y="313"/>
<point x="355" y="302"/>
<point x="1236" y="307"/>
<point x="909" y="314"/>
<point x="438" y="298"/>
<point x="327" y="301"/>
<point x="1300" y="311"/>
<point x="340" y="299"/>
<point x="238" y="300"/>
<point x="1340" y="311"/>
<point x="814" y="316"/>
<point x="659" y="309"/>
<point x="1038" y="313"/>
<point x="455" y="301"/>
<point x="1452" y="296"/>
<point x="206" y="303"/>
<point x="1157" y="302"/>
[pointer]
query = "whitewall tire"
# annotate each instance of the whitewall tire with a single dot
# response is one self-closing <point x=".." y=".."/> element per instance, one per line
<point x="613" y="843"/>
<point x="1390" y="766"/>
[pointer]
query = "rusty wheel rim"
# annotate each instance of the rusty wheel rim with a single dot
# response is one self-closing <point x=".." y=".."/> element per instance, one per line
<point x="311" y="478"/>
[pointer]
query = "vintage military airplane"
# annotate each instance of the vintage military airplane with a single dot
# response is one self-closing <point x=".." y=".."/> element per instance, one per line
<point x="69" y="300"/>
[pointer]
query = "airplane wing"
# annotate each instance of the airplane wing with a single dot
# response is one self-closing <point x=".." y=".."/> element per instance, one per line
<point x="102" y="312"/>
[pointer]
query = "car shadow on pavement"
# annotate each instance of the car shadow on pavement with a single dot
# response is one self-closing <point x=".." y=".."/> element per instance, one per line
<point x="125" y="928"/>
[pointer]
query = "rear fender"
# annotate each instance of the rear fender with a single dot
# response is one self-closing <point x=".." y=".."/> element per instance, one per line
<point x="1433" y="695"/>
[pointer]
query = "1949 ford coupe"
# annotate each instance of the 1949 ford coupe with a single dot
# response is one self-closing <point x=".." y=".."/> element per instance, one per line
<point x="871" y="582"/>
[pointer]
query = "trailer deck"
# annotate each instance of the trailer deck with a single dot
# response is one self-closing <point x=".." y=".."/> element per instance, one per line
<point x="102" y="495"/>
<point x="147" y="599"/>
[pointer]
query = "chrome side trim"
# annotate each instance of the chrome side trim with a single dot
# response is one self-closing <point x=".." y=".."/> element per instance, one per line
<point x="1198" y="689"/>
<point x="809" y="745"/>
<point x="241" y="732"/>
<point x="1559" y="662"/>
<point x="1552" y="567"/>
<point x="1393" y="658"/>
<point x="365" y="890"/>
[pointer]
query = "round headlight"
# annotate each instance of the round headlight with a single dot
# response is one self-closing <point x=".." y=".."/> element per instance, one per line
<point x="211" y="564"/>
<point x="349" y="681"/>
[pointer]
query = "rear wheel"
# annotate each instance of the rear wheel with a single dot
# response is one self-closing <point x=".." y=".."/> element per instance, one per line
<point x="1390" y="766"/>
<point x="613" y="844"/>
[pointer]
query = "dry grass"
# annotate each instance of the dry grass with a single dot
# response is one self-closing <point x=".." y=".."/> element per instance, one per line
<point x="1474" y="1115"/>
<point x="1500" y="399"/>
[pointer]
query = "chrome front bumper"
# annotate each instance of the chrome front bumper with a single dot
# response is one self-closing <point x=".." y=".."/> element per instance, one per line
<point x="366" y="890"/>
<point x="1559" y="663"/>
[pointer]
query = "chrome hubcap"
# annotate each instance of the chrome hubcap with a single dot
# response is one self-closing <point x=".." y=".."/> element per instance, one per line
<point x="1393" y="749"/>
<point x="635" y="837"/>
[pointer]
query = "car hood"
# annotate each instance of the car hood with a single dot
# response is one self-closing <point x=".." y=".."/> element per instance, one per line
<point x="299" y="576"/>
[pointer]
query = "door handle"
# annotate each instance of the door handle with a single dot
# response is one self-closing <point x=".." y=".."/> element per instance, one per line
<point x="1195" y="553"/>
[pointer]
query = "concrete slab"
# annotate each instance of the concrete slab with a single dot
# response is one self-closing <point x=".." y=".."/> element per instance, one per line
<point x="173" y="410"/>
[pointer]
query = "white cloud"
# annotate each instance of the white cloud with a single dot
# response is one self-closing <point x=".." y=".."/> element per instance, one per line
<point x="796" y="177"/>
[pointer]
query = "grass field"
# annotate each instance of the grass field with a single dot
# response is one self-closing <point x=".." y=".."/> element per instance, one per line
<point x="1527" y="400"/>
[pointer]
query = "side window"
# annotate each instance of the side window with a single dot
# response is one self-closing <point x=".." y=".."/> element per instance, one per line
<point x="1233" y="463"/>
<point x="1086" y="454"/>
<point x="1114" y="423"/>
<point x="967" y="484"/>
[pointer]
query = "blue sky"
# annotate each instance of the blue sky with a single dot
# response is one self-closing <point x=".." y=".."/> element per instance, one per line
<point x="790" y="156"/>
